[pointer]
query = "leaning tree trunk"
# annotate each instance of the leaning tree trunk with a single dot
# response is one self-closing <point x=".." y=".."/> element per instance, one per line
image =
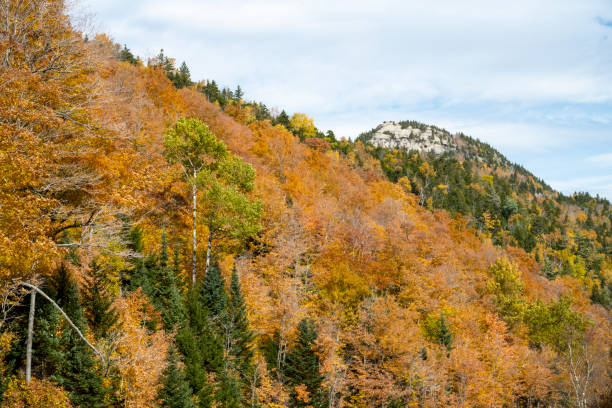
<point x="194" y="232"/>
<point x="30" y="335"/>
<point x="31" y="329"/>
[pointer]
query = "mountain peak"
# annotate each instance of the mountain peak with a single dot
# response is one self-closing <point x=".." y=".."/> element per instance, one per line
<point x="410" y="135"/>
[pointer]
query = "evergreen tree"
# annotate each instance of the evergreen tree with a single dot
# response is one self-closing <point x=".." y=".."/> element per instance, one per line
<point x="166" y="295"/>
<point x="76" y="372"/>
<point x="201" y="347"/>
<point x="302" y="366"/>
<point x="445" y="335"/>
<point x="97" y="302"/>
<point x="239" y="94"/>
<point x="228" y="393"/>
<point x="182" y="78"/>
<point x="175" y="392"/>
<point x="239" y="338"/>
<point x="212" y="292"/>
<point x="126" y="55"/>
<point x="283" y="119"/>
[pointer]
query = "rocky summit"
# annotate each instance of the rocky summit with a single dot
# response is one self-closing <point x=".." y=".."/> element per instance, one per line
<point x="412" y="136"/>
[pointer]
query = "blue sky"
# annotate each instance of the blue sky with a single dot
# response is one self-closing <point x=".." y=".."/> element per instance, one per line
<point x="532" y="78"/>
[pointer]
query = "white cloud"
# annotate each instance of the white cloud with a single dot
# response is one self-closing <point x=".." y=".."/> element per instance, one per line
<point x="601" y="185"/>
<point x="604" y="159"/>
<point x="526" y="76"/>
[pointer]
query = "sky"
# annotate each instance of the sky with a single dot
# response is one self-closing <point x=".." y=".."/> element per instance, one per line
<point x="531" y="78"/>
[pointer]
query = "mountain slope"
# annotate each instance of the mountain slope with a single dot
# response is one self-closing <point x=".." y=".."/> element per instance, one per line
<point x="385" y="302"/>
<point x="568" y="235"/>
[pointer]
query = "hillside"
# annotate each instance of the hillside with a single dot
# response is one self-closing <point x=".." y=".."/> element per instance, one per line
<point x="319" y="273"/>
<point x="567" y="235"/>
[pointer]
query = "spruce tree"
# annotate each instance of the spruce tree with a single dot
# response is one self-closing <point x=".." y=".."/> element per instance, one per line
<point x="175" y="392"/>
<point x="97" y="303"/>
<point x="283" y="119"/>
<point x="212" y="292"/>
<point x="165" y="293"/>
<point x="76" y="372"/>
<point x="228" y="393"/>
<point x="302" y="366"/>
<point x="239" y="338"/>
<point x="201" y="347"/>
<point x="445" y="334"/>
<point x="239" y="94"/>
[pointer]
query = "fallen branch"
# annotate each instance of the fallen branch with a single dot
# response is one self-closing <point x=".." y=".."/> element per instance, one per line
<point x="43" y="294"/>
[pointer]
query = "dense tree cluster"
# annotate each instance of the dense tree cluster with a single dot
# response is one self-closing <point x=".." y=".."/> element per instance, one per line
<point x="215" y="254"/>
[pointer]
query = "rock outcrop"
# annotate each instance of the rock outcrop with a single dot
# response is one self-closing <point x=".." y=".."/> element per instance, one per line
<point x="401" y="135"/>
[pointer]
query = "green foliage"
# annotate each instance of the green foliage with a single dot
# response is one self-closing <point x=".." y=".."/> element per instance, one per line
<point x="555" y="324"/>
<point x="507" y="287"/>
<point x="282" y="119"/>
<point x="191" y="143"/>
<point x="73" y="365"/>
<point x="126" y="55"/>
<point x="239" y="338"/>
<point x="165" y="290"/>
<point x="228" y="393"/>
<point x="227" y="211"/>
<point x="438" y="330"/>
<point x="97" y="302"/>
<point x="212" y="292"/>
<point x="302" y="366"/>
<point x="175" y="391"/>
<point x="200" y="345"/>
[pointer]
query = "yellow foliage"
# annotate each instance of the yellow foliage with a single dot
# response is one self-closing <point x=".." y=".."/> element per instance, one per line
<point x="39" y="394"/>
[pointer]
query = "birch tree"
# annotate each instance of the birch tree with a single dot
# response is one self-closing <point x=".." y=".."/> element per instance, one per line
<point x="191" y="144"/>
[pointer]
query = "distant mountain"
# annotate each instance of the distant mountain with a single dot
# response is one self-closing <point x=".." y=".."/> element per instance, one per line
<point x="569" y="235"/>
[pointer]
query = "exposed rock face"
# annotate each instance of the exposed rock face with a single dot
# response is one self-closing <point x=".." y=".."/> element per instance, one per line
<point x="396" y="135"/>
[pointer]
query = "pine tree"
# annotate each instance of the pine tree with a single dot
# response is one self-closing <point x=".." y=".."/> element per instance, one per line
<point x="182" y="78"/>
<point x="445" y="334"/>
<point x="201" y="347"/>
<point x="175" y="392"/>
<point x="239" y="338"/>
<point x="126" y="55"/>
<point x="302" y="366"/>
<point x="76" y="372"/>
<point x="228" y="393"/>
<point x="166" y="295"/>
<point x="239" y="94"/>
<point x="212" y="292"/>
<point x="97" y="303"/>
<point x="283" y="119"/>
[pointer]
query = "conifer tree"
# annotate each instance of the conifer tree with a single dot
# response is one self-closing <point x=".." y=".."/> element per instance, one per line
<point x="302" y="366"/>
<point x="76" y="372"/>
<point x="239" y="338"/>
<point x="239" y="94"/>
<point x="201" y="347"/>
<point x="212" y="292"/>
<point x="98" y="303"/>
<point x="175" y="392"/>
<point x="228" y="393"/>
<point x="283" y="119"/>
<point x="445" y="333"/>
<point x="166" y="295"/>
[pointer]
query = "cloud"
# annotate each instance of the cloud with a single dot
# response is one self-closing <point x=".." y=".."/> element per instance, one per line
<point x="528" y="77"/>
<point x="604" y="159"/>
<point x="601" y="185"/>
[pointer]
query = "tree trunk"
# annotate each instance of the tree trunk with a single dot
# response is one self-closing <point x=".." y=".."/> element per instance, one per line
<point x="194" y="236"/>
<point x="210" y="238"/>
<point x="31" y="327"/>
<point x="30" y="335"/>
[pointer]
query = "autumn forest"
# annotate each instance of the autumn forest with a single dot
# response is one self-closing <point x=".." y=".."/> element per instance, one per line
<point x="165" y="242"/>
